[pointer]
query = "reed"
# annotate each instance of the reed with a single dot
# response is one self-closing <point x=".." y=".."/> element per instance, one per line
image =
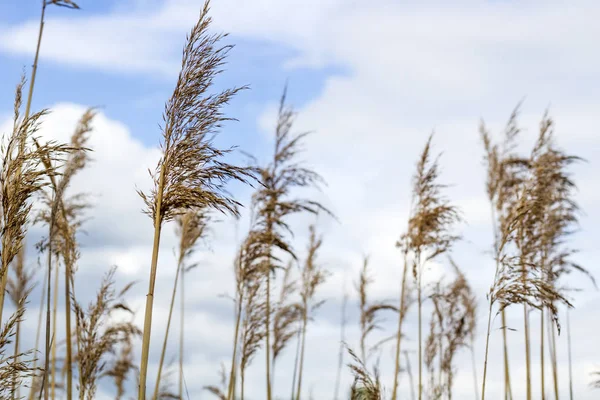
<point x="273" y="204"/>
<point x="190" y="173"/>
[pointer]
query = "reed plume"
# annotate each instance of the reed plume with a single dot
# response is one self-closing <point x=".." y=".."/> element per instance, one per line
<point x="190" y="173"/>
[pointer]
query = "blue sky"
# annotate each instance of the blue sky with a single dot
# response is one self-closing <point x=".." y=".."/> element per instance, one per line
<point x="137" y="99"/>
<point x="372" y="80"/>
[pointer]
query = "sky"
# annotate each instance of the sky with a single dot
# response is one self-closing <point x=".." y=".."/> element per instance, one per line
<point x="371" y="81"/>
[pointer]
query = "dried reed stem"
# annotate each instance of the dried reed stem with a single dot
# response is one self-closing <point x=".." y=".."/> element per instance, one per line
<point x="54" y="331"/>
<point x="181" y="333"/>
<point x="343" y="322"/>
<point x="569" y="351"/>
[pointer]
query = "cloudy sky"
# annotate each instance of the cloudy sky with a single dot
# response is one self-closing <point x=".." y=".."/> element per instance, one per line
<point x="372" y="80"/>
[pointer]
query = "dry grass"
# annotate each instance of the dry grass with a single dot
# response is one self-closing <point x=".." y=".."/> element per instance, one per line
<point x="99" y="335"/>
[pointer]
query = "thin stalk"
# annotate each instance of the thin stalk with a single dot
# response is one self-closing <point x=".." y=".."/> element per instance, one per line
<point x="507" y="388"/>
<point x="474" y="365"/>
<point x="527" y="351"/>
<point x="54" y="310"/>
<point x="181" y="329"/>
<point x="48" y="294"/>
<point x="487" y="346"/>
<point x="35" y="63"/>
<point x="552" y="339"/>
<point x="268" y="333"/>
<point x="295" y="374"/>
<point x="69" y="351"/>
<point x="441" y="352"/>
<point x="37" y="339"/>
<point x="420" y="301"/>
<point x="542" y="354"/>
<point x="570" y="363"/>
<point x="399" y="333"/>
<point x="302" y="346"/>
<point x="151" y="284"/>
<point x="410" y="376"/>
<point x="232" y="372"/>
<point x="242" y="381"/>
<point x="164" y="346"/>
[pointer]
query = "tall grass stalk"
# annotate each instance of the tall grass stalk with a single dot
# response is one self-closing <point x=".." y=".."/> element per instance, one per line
<point x="190" y="173"/>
